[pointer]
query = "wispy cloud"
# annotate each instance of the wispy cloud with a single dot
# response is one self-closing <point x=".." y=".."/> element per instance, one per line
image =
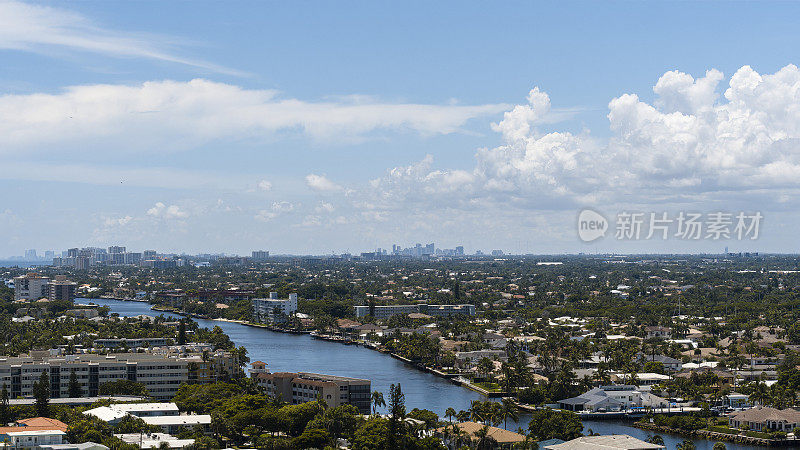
<point x="40" y="29"/>
<point x="181" y="115"/>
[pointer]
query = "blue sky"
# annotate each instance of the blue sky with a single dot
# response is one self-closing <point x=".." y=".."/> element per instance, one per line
<point x="314" y="127"/>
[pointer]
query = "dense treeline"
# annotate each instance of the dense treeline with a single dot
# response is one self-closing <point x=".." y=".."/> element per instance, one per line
<point x="242" y="415"/>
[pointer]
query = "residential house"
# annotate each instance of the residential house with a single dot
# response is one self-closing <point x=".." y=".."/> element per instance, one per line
<point x="34" y="432"/>
<point x="762" y="418"/>
<point x="670" y="364"/>
<point x="658" y="333"/>
<point x="612" y="398"/>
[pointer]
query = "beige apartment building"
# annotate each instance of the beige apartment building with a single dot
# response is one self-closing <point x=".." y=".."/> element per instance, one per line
<point x="304" y="387"/>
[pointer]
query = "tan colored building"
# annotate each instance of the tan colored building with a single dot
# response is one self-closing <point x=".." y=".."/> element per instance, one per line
<point x="303" y="387"/>
<point x="762" y="418"/>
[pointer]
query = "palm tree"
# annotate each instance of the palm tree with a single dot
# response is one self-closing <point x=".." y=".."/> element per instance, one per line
<point x="450" y="413"/>
<point x="509" y="380"/>
<point x="477" y="411"/>
<point x="484" y="440"/>
<point x="760" y="394"/>
<point x="377" y="401"/>
<point x="508" y="410"/>
<point x="602" y="376"/>
<point x="458" y="435"/>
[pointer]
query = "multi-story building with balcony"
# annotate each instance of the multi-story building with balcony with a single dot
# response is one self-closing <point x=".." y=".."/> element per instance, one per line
<point x="272" y="309"/>
<point x="161" y="375"/>
<point x="62" y="289"/>
<point x="304" y="387"/>
<point x="31" y="286"/>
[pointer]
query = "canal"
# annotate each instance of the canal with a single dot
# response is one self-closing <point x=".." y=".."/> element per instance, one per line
<point x="300" y="353"/>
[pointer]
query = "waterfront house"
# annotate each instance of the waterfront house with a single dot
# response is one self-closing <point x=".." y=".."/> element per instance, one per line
<point x="364" y="331"/>
<point x="736" y="400"/>
<point x="612" y="398"/>
<point x="763" y="418"/>
<point x="605" y="442"/>
<point x="469" y="359"/>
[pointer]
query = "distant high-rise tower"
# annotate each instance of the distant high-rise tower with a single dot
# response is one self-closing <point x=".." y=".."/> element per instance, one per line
<point x="30" y="255"/>
<point x="260" y="255"/>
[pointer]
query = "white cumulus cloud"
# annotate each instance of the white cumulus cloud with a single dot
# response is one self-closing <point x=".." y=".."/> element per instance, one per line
<point x="277" y="209"/>
<point x="695" y="142"/>
<point x="163" y="211"/>
<point x="321" y="183"/>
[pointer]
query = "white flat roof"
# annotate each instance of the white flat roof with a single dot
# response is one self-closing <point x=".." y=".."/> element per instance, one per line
<point x="154" y="440"/>
<point x="106" y="414"/>
<point x="197" y="419"/>
<point x="145" y="407"/>
<point x="34" y="432"/>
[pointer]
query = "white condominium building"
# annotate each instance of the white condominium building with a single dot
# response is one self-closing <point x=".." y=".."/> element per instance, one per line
<point x="272" y="308"/>
<point x="31" y="286"/>
<point x="160" y="374"/>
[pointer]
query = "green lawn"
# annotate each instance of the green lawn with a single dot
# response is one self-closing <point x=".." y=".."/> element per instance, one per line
<point x="488" y="386"/>
<point x="723" y="429"/>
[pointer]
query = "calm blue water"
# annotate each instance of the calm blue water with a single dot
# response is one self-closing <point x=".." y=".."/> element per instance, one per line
<point x="299" y="353"/>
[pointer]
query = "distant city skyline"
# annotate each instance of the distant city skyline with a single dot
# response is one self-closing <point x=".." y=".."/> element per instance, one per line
<point x="256" y="255"/>
<point x="224" y="127"/>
